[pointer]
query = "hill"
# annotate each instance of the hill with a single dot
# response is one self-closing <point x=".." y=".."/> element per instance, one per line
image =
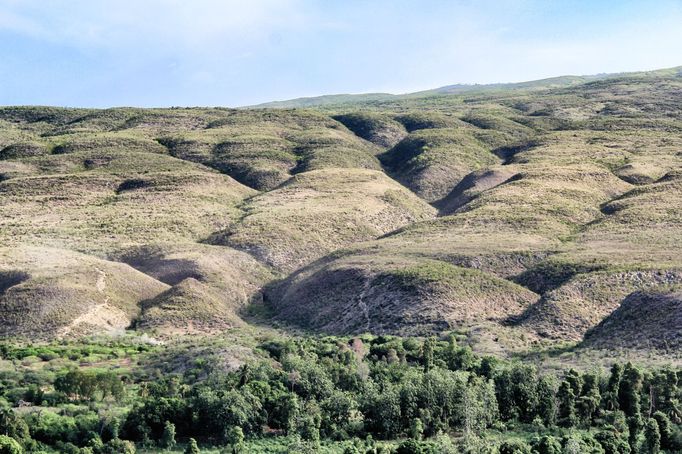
<point x="517" y="215"/>
<point x="455" y="89"/>
<point x="656" y="312"/>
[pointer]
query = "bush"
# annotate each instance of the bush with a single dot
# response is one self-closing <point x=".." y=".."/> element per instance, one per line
<point x="514" y="447"/>
<point x="192" y="447"/>
<point x="9" y="445"/>
<point x="118" y="446"/>
<point x="168" y="437"/>
<point x="412" y="446"/>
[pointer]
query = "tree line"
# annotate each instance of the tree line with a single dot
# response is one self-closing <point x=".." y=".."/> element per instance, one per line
<point x="388" y="394"/>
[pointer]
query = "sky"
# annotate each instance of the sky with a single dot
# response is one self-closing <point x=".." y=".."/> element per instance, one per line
<point x="106" y="53"/>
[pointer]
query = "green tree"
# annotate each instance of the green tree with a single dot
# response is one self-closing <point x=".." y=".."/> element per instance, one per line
<point x="9" y="445"/>
<point x="192" y="447"/>
<point x="417" y="429"/>
<point x="411" y="446"/>
<point x="515" y="447"/>
<point x="566" y="398"/>
<point x="610" y="398"/>
<point x="427" y="353"/>
<point x="613" y="442"/>
<point x="588" y="403"/>
<point x="287" y="412"/>
<point x="110" y="427"/>
<point x="338" y="412"/>
<point x="309" y="423"/>
<point x="635" y="426"/>
<point x="382" y="412"/>
<point x="516" y="391"/>
<point x="12" y="425"/>
<point x="235" y="438"/>
<point x="664" y="392"/>
<point x="652" y="436"/>
<point x="478" y="407"/>
<point x="546" y="445"/>
<point x="167" y="440"/>
<point x="118" y="446"/>
<point x="666" y="431"/>
<point x="547" y="403"/>
<point x="110" y="385"/>
<point x="629" y="395"/>
<point x="585" y="444"/>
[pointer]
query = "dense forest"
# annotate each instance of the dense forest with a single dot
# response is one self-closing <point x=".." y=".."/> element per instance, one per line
<point x="347" y="395"/>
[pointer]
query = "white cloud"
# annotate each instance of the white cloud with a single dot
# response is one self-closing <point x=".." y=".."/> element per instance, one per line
<point x="247" y="51"/>
<point x="162" y="26"/>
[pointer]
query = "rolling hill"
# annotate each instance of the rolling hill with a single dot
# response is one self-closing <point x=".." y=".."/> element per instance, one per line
<point x="515" y="214"/>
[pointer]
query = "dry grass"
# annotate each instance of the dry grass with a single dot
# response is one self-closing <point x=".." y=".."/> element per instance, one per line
<point x="558" y="200"/>
<point x="320" y="211"/>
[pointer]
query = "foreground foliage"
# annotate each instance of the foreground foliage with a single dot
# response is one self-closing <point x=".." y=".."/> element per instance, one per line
<point x="364" y="394"/>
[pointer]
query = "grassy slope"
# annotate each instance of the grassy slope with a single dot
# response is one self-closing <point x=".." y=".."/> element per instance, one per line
<point x="557" y="200"/>
<point x="584" y="213"/>
<point x="319" y="211"/>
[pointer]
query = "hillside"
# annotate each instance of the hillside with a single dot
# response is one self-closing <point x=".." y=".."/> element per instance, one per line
<point x="515" y="214"/>
<point x="657" y="312"/>
<point x="334" y="101"/>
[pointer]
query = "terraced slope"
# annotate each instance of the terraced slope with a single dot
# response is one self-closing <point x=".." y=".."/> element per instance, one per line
<point x="514" y="215"/>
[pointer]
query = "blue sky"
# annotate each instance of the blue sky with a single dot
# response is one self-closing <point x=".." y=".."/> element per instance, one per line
<point x="104" y="53"/>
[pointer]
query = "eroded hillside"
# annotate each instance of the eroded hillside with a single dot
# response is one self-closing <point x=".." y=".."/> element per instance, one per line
<point x="513" y="216"/>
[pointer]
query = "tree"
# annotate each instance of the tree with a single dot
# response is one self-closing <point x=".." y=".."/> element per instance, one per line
<point x="392" y="356"/>
<point x="652" y="436"/>
<point x="118" y="446"/>
<point x="566" y="397"/>
<point x="167" y="440"/>
<point x="235" y="438"/>
<point x="664" y="392"/>
<point x="630" y="390"/>
<point x="613" y="388"/>
<point x="612" y="442"/>
<point x="478" y="407"/>
<point x="514" y="447"/>
<point x="666" y="431"/>
<point x="9" y="445"/>
<point x="427" y="353"/>
<point x="309" y="422"/>
<point x="338" y="412"/>
<point x="192" y="447"/>
<point x="547" y="404"/>
<point x="110" y="427"/>
<point x="516" y="391"/>
<point x="635" y="426"/>
<point x="411" y="446"/>
<point x="77" y="385"/>
<point x="417" y="429"/>
<point x="588" y="403"/>
<point x="109" y="384"/>
<point x="382" y="412"/>
<point x="585" y="444"/>
<point x="12" y="425"/>
<point x="547" y="445"/>
<point x="286" y="412"/>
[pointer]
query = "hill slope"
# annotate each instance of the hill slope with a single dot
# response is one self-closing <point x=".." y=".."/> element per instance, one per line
<point x="514" y="214"/>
